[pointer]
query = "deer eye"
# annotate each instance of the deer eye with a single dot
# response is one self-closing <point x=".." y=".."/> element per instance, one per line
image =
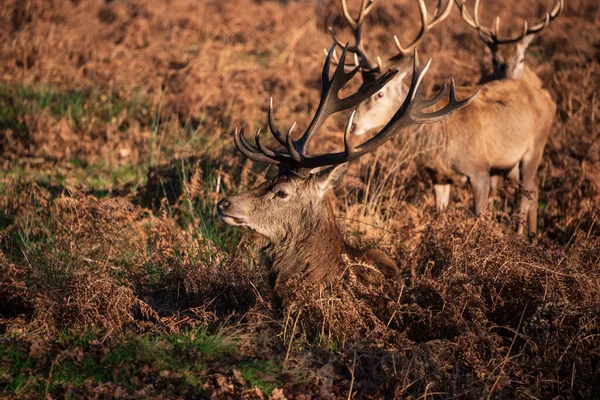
<point x="380" y="94"/>
<point x="281" y="194"/>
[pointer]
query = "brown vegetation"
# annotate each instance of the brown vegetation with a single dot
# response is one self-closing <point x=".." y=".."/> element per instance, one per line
<point x="116" y="122"/>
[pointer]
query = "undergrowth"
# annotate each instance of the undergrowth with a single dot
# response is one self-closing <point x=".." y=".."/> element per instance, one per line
<point x="117" y="279"/>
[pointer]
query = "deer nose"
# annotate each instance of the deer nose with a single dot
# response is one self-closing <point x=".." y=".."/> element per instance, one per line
<point x="223" y="205"/>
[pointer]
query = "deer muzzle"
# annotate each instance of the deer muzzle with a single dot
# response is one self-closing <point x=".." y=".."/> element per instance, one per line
<point x="224" y="209"/>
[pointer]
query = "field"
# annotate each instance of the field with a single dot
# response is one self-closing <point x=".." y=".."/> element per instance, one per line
<point x="117" y="279"/>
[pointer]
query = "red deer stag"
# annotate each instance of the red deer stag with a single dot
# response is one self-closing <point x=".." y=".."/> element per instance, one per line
<point x="504" y="131"/>
<point x="383" y="104"/>
<point x="292" y="210"/>
<point x="508" y="55"/>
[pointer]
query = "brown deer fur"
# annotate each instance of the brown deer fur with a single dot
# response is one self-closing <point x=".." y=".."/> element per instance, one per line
<point x="292" y="209"/>
<point x="304" y="238"/>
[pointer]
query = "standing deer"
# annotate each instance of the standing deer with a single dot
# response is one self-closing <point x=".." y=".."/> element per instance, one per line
<point x="508" y="55"/>
<point x="503" y="132"/>
<point x="292" y="209"/>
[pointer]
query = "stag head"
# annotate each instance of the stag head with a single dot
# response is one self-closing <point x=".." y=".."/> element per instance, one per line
<point x="290" y="204"/>
<point x="277" y="208"/>
<point x="508" y="54"/>
<point x="375" y="111"/>
<point x="380" y="107"/>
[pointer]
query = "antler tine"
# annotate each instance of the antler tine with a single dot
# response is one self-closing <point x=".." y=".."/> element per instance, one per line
<point x="437" y="18"/>
<point x="356" y="25"/>
<point x="347" y="67"/>
<point x="365" y="8"/>
<point x="476" y="14"/>
<point x="411" y="113"/>
<point x="274" y="131"/>
<point x="290" y="144"/>
<point x="277" y="155"/>
<point x="247" y="144"/>
<point x="249" y="152"/>
<point x="351" y="21"/>
<point x="330" y="102"/>
<point x="452" y="106"/>
<point x="497" y="26"/>
<point x="434" y="100"/>
<point x="473" y="21"/>
<point x="558" y="7"/>
<point x="348" y="150"/>
<point x="426" y="26"/>
<point x="492" y="35"/>
<point x="464" y="13"/>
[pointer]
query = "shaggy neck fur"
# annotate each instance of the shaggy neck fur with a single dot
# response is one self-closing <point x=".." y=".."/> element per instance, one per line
<point x="313" y="250"/>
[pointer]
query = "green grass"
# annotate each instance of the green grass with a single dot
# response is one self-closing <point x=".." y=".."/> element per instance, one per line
<point x="81" y="106"/>
<point x="74" y="360"/>
<point x="198" y="213"/>
<point x="263" y="374"/>
<point x="200" y="341"/>
<point x="100" y="178"/>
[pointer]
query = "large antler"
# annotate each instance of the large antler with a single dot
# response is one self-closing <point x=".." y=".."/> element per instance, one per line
<point x="330" y="104"/>
<point x="438" y="16"/>
<point x="358" y="48"/>
<point x="490" y="36"/>
<point x="368" y="66"/>
<point x="410" y="113"/>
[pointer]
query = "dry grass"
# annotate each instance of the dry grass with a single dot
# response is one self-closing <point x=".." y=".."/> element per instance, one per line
<point x="115" y="146"/>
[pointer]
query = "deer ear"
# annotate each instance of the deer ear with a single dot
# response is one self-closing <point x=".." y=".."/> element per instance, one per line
<point x="328" y="178"/>
<point x="271" y="172"/>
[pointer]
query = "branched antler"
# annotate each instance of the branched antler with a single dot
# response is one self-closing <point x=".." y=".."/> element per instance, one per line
<point x="411" y="112"/>
<point x="356" y="25"/>
<point x="330" y="103"/>
<point x="491" y="36"/>
<point x="438" y="16"/>
<point x="368" y="66"/>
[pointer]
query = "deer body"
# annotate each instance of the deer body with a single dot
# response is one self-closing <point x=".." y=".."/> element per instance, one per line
<point x="304" y="239"/>
<point x="292" y="210"/>
<point x="479" y="143"/>
<point x="500" y="134"/>
<point x="503" y="133"/>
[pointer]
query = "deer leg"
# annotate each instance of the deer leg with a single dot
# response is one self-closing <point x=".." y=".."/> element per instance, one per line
<point x="442" y="196"/>
<point x="533" y="210"/>
<point x="514" y="176"/>
<point x="494" y="181"/>
<point x="481" y="183"/>
<point x="529" y="192"/>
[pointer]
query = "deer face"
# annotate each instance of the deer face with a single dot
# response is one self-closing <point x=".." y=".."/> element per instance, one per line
<point x="509" y="59"/>
<point x="282" y="205"/>
<point x="292" y="202"/>
<point x="378" y="109"/>
<point x="508" y="54"/>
